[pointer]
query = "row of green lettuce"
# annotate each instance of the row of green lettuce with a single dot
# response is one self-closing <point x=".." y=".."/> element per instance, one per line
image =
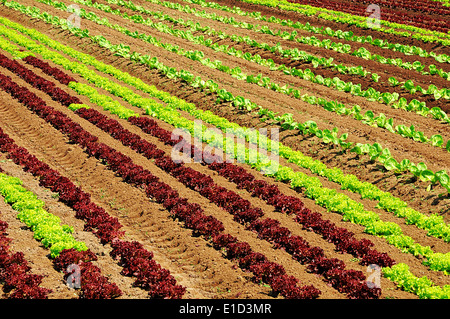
<point x="328" y="198"/>
<point x="399" y="273"/>
<point x="369" y="118"/>
<point x="47" y="227"/>
<point x="293" y="54"/>
<point x="326" y="31"/>
<point x="292" y="36"/>
<point x="264" y="81"/>
<point x="349" y="182"/>
<point x="409" y="31"/>
<point x="420" y="170"/>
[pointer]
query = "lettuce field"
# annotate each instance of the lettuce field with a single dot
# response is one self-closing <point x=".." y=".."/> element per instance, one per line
<point x="251" y="149"/>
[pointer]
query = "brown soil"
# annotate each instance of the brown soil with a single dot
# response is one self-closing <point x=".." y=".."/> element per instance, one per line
<point x="313" y="20"/>
<point x="400" y="147"/>
<point x="387" y="70"/>
<point x="61" y="155"/>
<point x="389" y="13"/>
<point x="192" y="260"/>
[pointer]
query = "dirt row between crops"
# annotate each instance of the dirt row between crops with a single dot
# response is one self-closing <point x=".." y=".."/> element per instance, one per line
<point x="291" y="225"/>
<point x="53" y="149"/>
<point x="193" y="263"/>
<point x="414" y="193"/>
<point x="313" y="20"/>
<point x="388" y="70"/>
<point x="282" y="100"/>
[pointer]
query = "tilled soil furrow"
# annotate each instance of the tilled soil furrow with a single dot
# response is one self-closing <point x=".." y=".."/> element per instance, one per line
<point x="200" y="282"/>
<point x="339" y="57"/>
<point x="412" y="229"/>
<point x="313" y="20"/>
<point x="331" y="117"/>
<point x="191" y="260"/>
<point x="295" y="143"/>
<point x="257" y="243"/>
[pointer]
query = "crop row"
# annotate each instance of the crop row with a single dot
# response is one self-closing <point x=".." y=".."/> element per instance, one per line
<point x="295" y="54"/>
<point x="403" y="30"/>
<point x="419" y="171"/>
<point x="422" y="287"/>
<point x="326" y="31"/>
<point x="368" y="118"/>
<point x="433" y="223"/>
<point x="15" y="276"/>
<point x="105" y="227"/>
<point x="335" y="83"/>
<point x="166" y="137"/>
<point x="270" y="229"/>
<point x="45" y="226"/>
<point x="287" y="122"/>
<point x="425" y="6"/>
<point x="7" y="46"/>
<point x="443" y="2"/>
<point x="405" y="279"/>
<point x="202" y="180"/>
<point x="151" y="277"/>
<point x="154" y="63"/>
<point x="174" y="119"/>
<point x="414" y="105"/>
